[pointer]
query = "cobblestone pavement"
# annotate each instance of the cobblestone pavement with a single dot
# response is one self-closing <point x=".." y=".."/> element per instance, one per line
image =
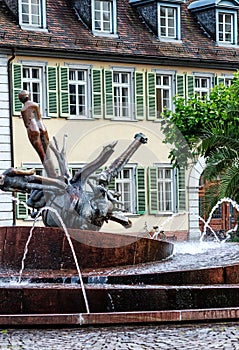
<point x="198" y="336"/>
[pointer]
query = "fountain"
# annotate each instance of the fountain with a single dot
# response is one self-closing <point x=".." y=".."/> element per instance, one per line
<point x="71" y="273"/>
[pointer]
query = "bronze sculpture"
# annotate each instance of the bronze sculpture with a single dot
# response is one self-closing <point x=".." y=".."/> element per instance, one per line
<point x="36" y="131"/>
<point x="78" y="208"/>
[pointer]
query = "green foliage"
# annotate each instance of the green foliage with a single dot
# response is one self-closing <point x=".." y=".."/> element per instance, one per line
<point x="187" y="125"/>
<point x="210" y="128"/>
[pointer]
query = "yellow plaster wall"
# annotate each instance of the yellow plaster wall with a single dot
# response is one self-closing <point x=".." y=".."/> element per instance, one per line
<point x="87" y="137"/>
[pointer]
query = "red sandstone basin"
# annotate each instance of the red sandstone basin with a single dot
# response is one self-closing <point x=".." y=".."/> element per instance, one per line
<point x="50" y="249"/>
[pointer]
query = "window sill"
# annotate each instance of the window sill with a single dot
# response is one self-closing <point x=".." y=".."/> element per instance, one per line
<point x="131" y="215"/>
<point x="170" y="40"/>
<point x="164" y="214"/>
<point x="227" y="45"/>
<point x="79" y="118"/>
<point x="121" y="119"/>
<point x="34" y="29"/>
<point x="107" y="35"/>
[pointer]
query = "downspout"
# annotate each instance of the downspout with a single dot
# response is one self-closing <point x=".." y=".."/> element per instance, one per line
<point x="9" y="71"/>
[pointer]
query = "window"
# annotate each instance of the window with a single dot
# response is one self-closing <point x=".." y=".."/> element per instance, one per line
<point x="202" y="86"/>
<point x="32" y="82"/>
<point x="122" y="94"/>
<point x="78" y="92"/>
<point x="226" y="27"/>
<point x="125" y="186"/>
<point x="169" y="22"/>
<point x="228" y="81"/>
<point x="104" y="17"/>
<point x="163" y="92"/>
<point x="32" y="14"/>
<point x="30" y="76"/>
<point x="165" y="189"/>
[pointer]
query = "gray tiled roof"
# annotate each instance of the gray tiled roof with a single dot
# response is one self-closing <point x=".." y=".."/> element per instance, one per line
<point x="67" y="35"/>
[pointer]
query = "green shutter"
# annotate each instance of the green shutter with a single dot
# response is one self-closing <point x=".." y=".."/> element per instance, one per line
<point x="180" y="85"/>
<point x="139" y="96"/>
<point x="109" y="105"/>
<point x="64" y="92"/>
<point x="141" y="190"/>
<point x="153" y="190"/>
<point x="17" y="87"/>
<point x="52" y="92"/>
<point x="151" y="96"/>
<point x="112" y="185"/>
<point x="190" y="86"/>
<point x="21" y="209"/>
<point x="97" y="93"/>
<point x="181" y="188"/>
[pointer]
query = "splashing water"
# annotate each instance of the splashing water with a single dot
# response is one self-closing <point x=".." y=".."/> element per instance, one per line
<point x="193" y="248"/>
<point x="223" y="200"/>
<point x="214" y="233"/>
<point x="71" y="246"/>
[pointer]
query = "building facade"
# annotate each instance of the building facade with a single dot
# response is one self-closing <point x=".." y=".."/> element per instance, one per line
<point x="103" y="70"/>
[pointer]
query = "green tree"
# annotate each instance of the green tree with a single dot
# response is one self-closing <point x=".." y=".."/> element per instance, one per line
<point x="210" y="128"/>
<point x="185" y="127"/>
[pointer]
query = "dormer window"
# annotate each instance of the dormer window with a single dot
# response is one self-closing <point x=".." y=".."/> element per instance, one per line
<point x="104" y="17"/>
<point x="227" y="25"/>
<point x="168" y="21"/>
<point x="163" y="17"/>
<point x="218" y="18"/>
<point x="32" y="14"/>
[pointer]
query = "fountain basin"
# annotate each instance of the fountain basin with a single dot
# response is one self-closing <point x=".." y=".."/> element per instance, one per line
<point x="228" y="274"/>
<point x="68" y="299"/>
<point x="49" y="249"/>
<point x="51" y="292"/>
<point x="47" y="299"/>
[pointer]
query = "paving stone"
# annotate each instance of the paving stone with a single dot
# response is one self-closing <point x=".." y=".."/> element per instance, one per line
<point x="213" y="336"/>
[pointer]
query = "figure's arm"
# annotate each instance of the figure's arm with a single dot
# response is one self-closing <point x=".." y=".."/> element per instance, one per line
<point x="36" y="110"/>
<point x="14" y="172"/>
<point x="25" y="183"/>
<point x="82" y="175"/>
<point x="105" y="177"/>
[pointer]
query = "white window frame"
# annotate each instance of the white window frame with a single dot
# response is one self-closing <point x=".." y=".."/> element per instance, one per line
<point x="120" y="181"/>
<point x="87" y="68"/>
<point x="200" y="91"/>
<point x="177" y="22"/>
<point x="170" y="87"/>
<point x="130" y="85"/>
<point x="228" y="80"/>
<point x="42" y="82"/>
<point x="234" y="27"/>
<point x="42" y="26"/>
<point x="162" y="195"/>
<point x="113" y="19"/>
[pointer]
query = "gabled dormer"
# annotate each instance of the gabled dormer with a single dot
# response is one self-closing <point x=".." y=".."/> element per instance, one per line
<point x="99" y="15"/>
<point x="162" y="16"/>
<point x="218" y="18"/>
<point x="31" y="14"/>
